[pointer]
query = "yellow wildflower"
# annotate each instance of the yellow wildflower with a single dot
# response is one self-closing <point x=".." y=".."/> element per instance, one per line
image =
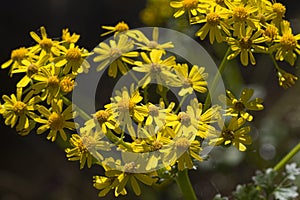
<point x="118" y="28"/>
<point x="286" y="80"/>
<point x="192" y="7"/>
<point x="68" y="38"/>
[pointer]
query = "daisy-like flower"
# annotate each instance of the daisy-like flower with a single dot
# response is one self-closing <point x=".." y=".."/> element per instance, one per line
<point x="87" y="146"/>
<point x="192" y="7"/>
<point x="215" y="25"/>
<point x="247" y="43"/>
<point x="118" y="28"/>
<point x="56" y="120"/>
<point x="274" y="11"/>
<point x="50" y="84"/>
<point x="117" y="52"/>
<point x="124" y="106"/>
<point x="239" y="106"/>
<point x="68" y="38"/>
<point x="73" y="59"/>
<point x="286" y="80"/>
<point x="45" y="45"/>
<point x="271" y="32"/>
<point x="190" y="81"/>
<point x="286" y="45"/>
<point x="147" y="44"/>
<point x="156" y="69"/>
<point x="234" y="133"/>
<point x="17" y="111"/>
<point x="31" y="68"/>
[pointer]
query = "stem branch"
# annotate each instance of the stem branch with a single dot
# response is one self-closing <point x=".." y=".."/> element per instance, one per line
<point x="287" y="157"/>
<point x="185" y="185"/>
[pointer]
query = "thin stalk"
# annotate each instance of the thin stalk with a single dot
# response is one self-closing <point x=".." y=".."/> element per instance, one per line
<point x="185" y="185"/>
<point x="215" y="80"/>
<point x="287" y="157"/>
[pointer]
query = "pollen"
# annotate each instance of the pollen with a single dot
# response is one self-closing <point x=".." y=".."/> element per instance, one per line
<point x="67" y="84"/>
<point x="31" y="70"/>
<point x="190" y="4"/>
<point x="156" y="145"/>
<point x="53" y="82"/>
<point x="115" y="52"/>
<point x="73" y="54"/>
<point x="56" y="121"/>
<point x="288" y="42"/>
<point x="182" y="143"/>
<point x="87" y="143"/>
<point x="130" y="167"/>
<point x="240" y="13"/>
<point x="46" y="44"/>
<point x="228" y="134"/>
<point x="213" y="18"/>
<point x="271" y="32"/>
<point x="245" y="43"/>
<point x="121" y="26"/>
<point x="156" y="68"/>
<point x="126" y="105"/>
<point x="101" y="116"/>
<point x="153" y="110"/>
<point x="19" y="54"/>
<point x="239" y="106"/>
<point x="279" y="9"/>
<point x="19" y="108"/>
<point x="184" y="118"/>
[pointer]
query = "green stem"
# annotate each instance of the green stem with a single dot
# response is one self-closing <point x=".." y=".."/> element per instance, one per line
<point x="215" y="80"/>
<point x="81" y="112"/>
<point x="275" y="63"/>
<point x="185" y="185"/>
<point x="287" y="157"/>
<point x="180" y="103"/>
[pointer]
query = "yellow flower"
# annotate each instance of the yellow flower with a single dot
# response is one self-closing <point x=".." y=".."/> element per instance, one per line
<point x="247" y="43"/>
<point x="119" y="28"/>
<point x="233" y="134"/>
<point x="17" y="111"/>
<point x="56" y="120"/>
<point x="215" y="25"/>
<point x="156" y="69"/>
<point x="117" y="52"/>
<point x="68" y="38"/>
<point x="190" y="81"/>
<point x="238" y="107"/>
<point x="189" y="6"/>
<point x="286" y="80"/>
<point x="45" y="45"/>
<point x="147" y="44"/>
<point x="286" y="45"/>
<point x="73" y="59"/>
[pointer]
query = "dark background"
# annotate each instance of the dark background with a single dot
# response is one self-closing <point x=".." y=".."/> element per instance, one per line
<point x="33" y="168"/>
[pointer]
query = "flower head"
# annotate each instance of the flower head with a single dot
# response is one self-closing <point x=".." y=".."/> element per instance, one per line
<point x="286" y="80"/>
<point x="118" y="28"/>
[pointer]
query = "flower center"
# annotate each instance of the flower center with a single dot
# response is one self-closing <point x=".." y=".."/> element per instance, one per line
<point x="152" y="44"/>
<point x="73" y="54"/>
<point x="155" y="68"/>
<point x="240" y="13"/>
<point x="121" y="26"/>
<point x="271" y="32"/>
<point x="184" y="119"/>
<point x="239" y="106"/>
<point x="53" y="82"/>
<point x="228" y="134"/>
<point x="67" y="84"/>
<point x="182" y="143"/>
<point x="245" y="43"/>
<point x="288" y="42"/>
<point x="213" y="18"/>
<point x="220" y="2"/>
<point x="101" y="116"/>
<point x="88" y="143"/>
<point x="56" y="121"/>
<point x="19" y="54"/>
<point x="115" y="52"/>
<point x="187" y="83"/>
<point x="126" y="105"/>
<point x="279" y="9"/>
<point x="46" y="44"/>
<point x="19" y="108"/>
<point x="130" y="167"/>
<point x="153" y="110"/>
<point x="156" y="145"/>
<point x="190" y="4"/>
<point x="31" y="70"/>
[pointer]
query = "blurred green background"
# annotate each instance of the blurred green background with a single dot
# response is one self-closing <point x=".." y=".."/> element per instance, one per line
<point x="33" y="168"/>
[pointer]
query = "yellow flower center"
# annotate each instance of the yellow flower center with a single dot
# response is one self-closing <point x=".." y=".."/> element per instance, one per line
<point x="46" y="44"/>
<point x="67" y="84"/>
<point x="220" y="2"/>
<point x="190" y="4"/>
<point x="187" y="83"/>
<point x="239" y="106"/>
<point x="56" y="121"/>
<point x="271" y="32"/>
<point x="228" y="134"/>
<point x="156" y="145"/>
<point x="87" y="143"/>
<point x="240" y="13"/>
<point x="101" y="116"/>
<point x="182" y="143"/>
<point x="288" y="42"/>
<point x="115" y="52"/>
<point x="31" y="70"/>
<point x="184" y="119"/>
<point x="73" y="54"/>
<point x="261" y="18"/>
<point x="19" y="108"/>
<point x="245" y="43"/>
<point x="130" y="167"/>
<point x="121" y="26"/>
<point x="152" y="44"/>
<point x="53" y="82"/>
<point x="153" y="110"/>
<point x="279" y="9"/>
<point x="156" y="68"/>
<point x="19" y="54"/>
<point x="126" y="105"/>
<point x="213" y="18"/>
